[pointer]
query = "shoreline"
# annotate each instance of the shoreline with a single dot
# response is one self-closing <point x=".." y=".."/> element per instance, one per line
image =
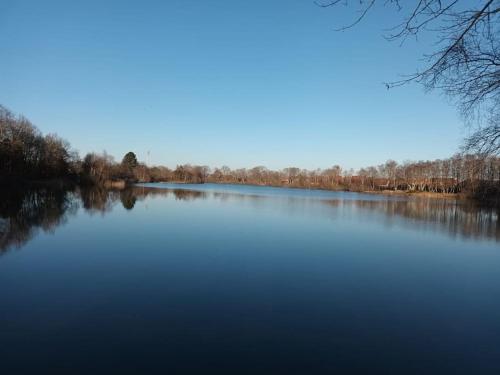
<point x="401" y="193"/>
<point x="69" y="183"/>
<point x="419" y="194"/>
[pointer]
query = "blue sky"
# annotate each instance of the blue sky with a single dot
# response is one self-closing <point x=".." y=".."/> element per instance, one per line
<point x="237" y="83"/>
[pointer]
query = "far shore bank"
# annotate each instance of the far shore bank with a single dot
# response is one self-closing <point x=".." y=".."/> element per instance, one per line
<point x="403" y="193"/>
<point x="492" y="201"/>
<point x="69" y="183"/>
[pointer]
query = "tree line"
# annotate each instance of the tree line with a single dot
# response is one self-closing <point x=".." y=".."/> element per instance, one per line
<point x="26" y="153"/>
<point x="474" y="175"/>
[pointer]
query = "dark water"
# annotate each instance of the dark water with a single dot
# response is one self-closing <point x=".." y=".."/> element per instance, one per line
<point x="236" y="280"/>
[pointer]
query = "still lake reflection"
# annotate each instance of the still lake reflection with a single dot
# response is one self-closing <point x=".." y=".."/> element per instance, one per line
<point x="243" y="279"/>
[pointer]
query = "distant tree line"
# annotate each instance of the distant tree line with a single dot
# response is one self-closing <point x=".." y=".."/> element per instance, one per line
<point x="26" y="153"/>
<point x="471" y="174"/>
<point x="474" y="175"/>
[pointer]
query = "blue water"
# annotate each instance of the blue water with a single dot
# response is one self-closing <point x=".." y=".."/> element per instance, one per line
<point x="242" y="279"/>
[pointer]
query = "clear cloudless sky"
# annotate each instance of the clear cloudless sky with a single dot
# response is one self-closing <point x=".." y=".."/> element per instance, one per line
<point x="220" y="82"/>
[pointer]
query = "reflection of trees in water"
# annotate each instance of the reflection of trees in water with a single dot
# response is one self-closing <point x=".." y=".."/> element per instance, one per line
<point x="24" y="212"/>
<point x="98" y="199"/>
<point x="128" y="199"/>
<point x="187" y="195"/>
<point x="141" y="192"/>
<point x="464" y="218"/>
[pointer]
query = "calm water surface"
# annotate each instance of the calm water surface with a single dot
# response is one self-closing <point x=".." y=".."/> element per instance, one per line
<point x="239" y="279"/>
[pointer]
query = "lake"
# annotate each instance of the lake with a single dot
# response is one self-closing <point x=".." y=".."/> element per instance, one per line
<point x="241" y="279"/>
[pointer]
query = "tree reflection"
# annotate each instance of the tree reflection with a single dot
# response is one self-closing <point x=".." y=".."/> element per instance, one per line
<point x="456" y="218"/>
<point x="98" y="199"/>
<point x="128" y="199"/>
<point x="24" y="212"/>
<point x="141" y="192"/>
<point x="463" y="218"/>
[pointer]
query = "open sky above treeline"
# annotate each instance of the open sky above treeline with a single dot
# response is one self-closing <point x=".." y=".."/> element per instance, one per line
<point x="221" y="83"/>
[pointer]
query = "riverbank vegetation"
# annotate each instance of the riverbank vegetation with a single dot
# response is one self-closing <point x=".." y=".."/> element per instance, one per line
<point x="28" y="155"/>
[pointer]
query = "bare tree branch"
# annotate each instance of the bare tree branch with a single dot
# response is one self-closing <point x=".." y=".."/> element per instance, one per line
<point x="466" y="63"/>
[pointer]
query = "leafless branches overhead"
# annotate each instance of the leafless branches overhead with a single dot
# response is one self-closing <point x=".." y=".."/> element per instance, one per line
<point x="465" y="63"/>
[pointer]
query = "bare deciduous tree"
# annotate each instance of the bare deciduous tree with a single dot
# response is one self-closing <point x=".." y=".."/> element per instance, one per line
<point x="465" y="64"/>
